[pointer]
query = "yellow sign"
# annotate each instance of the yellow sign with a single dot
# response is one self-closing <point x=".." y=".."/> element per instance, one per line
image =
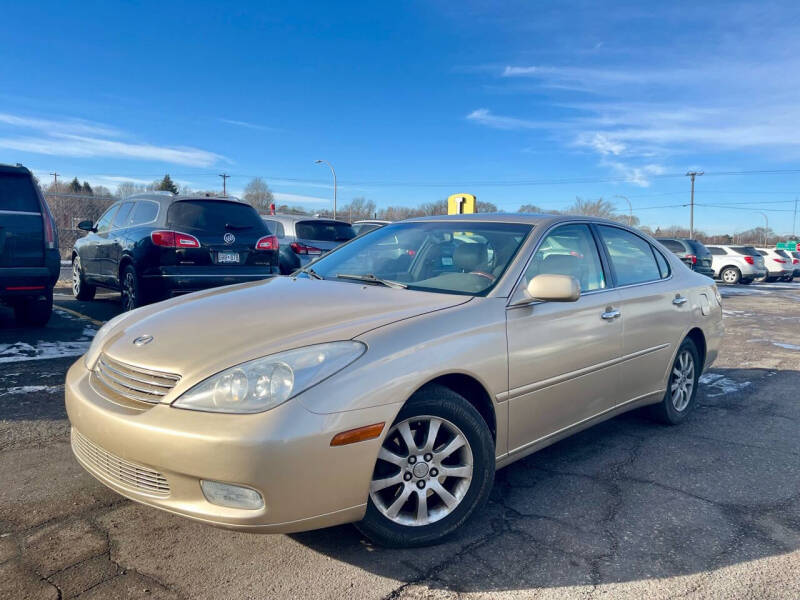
<point x="461" y="204"/>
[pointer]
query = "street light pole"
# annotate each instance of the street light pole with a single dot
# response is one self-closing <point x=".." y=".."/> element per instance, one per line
<point x="766" y="226"/>
<point x="630" y="210"/>
<point x="692" y="174"/>
<point x="319" y="162"/>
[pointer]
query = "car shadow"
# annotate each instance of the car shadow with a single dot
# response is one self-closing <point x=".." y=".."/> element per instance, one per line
<point x="626" y="500"/>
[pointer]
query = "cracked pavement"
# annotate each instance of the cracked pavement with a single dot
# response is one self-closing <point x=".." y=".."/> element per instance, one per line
<point x="627" y="509"/>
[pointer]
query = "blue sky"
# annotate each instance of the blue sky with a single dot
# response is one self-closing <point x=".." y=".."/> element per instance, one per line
<point x="517" y="102"/>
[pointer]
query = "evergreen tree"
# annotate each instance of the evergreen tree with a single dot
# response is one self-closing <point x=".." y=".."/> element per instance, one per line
<point x="74" y="186"/>
<point x="167" y="185"/>
<point x="86" y="188"/>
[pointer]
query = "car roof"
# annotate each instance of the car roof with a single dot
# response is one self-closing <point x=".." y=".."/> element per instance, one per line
<point x="17" y="168"/>
<point x="539" y="219"/>
<point x="284" y="217"/>
<point x="170" y="198"/>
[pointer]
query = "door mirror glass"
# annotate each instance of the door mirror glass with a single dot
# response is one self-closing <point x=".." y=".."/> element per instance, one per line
<point x="85" y="226"/>
<point x="554" y="288"/>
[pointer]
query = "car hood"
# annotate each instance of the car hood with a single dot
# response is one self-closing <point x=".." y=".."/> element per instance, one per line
<point x="202" y="333"/>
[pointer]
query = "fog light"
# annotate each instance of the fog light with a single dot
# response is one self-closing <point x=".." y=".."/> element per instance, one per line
<point x="233" y="496"/>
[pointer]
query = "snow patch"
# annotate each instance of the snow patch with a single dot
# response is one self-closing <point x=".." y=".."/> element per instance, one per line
<point x="27" y="389"/>
<point x="787" y="346"/>
<point x="719" y="385"/>
<point x="20" y="351"/>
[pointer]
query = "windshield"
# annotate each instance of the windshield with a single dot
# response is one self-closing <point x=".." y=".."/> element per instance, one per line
<point x="443" y="256"/>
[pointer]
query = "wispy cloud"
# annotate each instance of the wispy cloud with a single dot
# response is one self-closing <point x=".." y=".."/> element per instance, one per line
<point x="486" y="117"/>
<point x="77" y="138"/>
<point x="246" y="124"/>
<point x="299" y="199"/>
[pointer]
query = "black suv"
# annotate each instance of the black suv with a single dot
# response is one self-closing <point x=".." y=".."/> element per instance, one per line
<point x="152" y="246"/>
<point x="29" y="258"/>
<point x="693" y="253"/>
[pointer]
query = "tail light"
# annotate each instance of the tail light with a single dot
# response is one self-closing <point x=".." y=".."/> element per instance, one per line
<point x="268" y="242"/>
<point x="779" y="260"/>
<point x="174" y="239"/>
<point x="795" y="261"/>
<point x="48" y="226"/>
<point x="692" y="258"/>
<point x="749" y="260"/>
<point x="303" y="249"/>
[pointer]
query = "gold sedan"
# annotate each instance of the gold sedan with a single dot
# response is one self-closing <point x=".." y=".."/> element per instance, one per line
<point x="385" y="382"/>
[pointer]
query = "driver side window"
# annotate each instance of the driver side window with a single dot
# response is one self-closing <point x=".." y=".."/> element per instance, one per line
<point x="104" y="223"/>
<point x="569" y="250"/>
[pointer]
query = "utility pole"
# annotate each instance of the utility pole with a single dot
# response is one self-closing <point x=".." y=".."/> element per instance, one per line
<point x="55" y="184"/>
<point x="224" y="182"/>
<point x="692" y="174"/>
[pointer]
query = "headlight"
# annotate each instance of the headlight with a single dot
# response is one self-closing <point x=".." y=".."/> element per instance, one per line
<point x="264" y="383"/>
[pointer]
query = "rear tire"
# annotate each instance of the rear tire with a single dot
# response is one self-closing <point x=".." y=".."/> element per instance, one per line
<point x="730" y="275"/>
<point x="421" y="472"/>
<point x="131" y="293"/>
<point x="80" y="289"/>
<point x="35" y="312"/>
<point x="679" y="398"/>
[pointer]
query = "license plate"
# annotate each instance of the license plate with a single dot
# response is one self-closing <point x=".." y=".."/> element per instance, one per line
<point x="227" y="257"/>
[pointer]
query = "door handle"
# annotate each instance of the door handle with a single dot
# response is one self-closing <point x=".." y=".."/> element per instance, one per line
<point x="679" y="301"/>
<point x="610" y="315"/>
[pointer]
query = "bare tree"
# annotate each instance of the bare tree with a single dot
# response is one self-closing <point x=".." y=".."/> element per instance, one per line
<point x="258" y="194"/>
<point x="128" y="188"/>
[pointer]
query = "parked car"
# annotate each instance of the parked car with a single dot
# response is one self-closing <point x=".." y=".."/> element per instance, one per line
<point x="152" y="246"/>
<point x="737" y="264"/>
<point x="693" y="254"/>
<point x="303" y="238"/>
<point x="368" y="225"/>
<point x="778" y="263"/>
<point x="795" y="262"/>
<point x="387" y="393"/>
<point x="29" y="257"/>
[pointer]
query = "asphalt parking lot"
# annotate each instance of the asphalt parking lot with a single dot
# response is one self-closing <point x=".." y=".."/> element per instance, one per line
<point x="628" y="509"/>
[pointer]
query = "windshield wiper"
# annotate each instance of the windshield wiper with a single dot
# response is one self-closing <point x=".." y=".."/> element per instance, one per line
<point x="372" y="279"/>
<point x="311" y="273"/>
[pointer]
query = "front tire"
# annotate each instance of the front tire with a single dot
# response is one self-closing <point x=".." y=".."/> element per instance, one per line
<point x="434" y="470"/>
<point x="80" y="289"/>
<point x="679" y="399"/>
<point x="730" y="275"/>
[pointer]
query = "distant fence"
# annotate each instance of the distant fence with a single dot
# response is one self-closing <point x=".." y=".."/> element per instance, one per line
<point x="69" y="210"/>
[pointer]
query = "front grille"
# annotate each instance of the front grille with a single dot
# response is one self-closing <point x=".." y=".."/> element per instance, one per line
<point x="114" y="379"/>
<point x="122" y="472"/>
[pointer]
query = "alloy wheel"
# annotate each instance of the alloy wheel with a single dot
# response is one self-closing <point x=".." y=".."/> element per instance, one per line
<point x="729" y="276"/>
<point x="129" y="291"/>
<point x="423" y="472"/>
<point x="682" y="381"/>
<point x="76" y="277"/>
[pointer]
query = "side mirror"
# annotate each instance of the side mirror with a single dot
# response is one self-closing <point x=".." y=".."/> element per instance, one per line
<point x="550" y="288"/>
<point x="86" y="226"/>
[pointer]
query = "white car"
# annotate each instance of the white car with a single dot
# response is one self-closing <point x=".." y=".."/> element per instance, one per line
<point x="736" y="264"/>
<point x="779" y="264"/>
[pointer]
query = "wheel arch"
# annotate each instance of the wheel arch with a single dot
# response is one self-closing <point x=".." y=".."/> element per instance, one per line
<point x="698" y="337"/>
<point x="473" y="391"/>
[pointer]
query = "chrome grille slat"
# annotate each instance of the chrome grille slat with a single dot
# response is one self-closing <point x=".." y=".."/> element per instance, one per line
<point x="130" y="382"/>
<point x="122" y="472"/>
<point x="107" y="366"/>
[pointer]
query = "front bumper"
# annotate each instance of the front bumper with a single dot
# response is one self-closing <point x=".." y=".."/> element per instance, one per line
<point x="167" y="281"/>
<point x="284" y="454"/>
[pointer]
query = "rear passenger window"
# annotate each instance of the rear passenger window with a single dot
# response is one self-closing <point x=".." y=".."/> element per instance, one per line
<point x="144" y="212"/>
<point x="631" y="256"/>
<point x="121" y="219"/>
<point x="673" y="246"/>
<point x="569" y="250"/>
<point x="276" y="228"/>
<point x="17" y="193"/>
<point x="717" y="251"/>
<point x="663" y="265"/>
